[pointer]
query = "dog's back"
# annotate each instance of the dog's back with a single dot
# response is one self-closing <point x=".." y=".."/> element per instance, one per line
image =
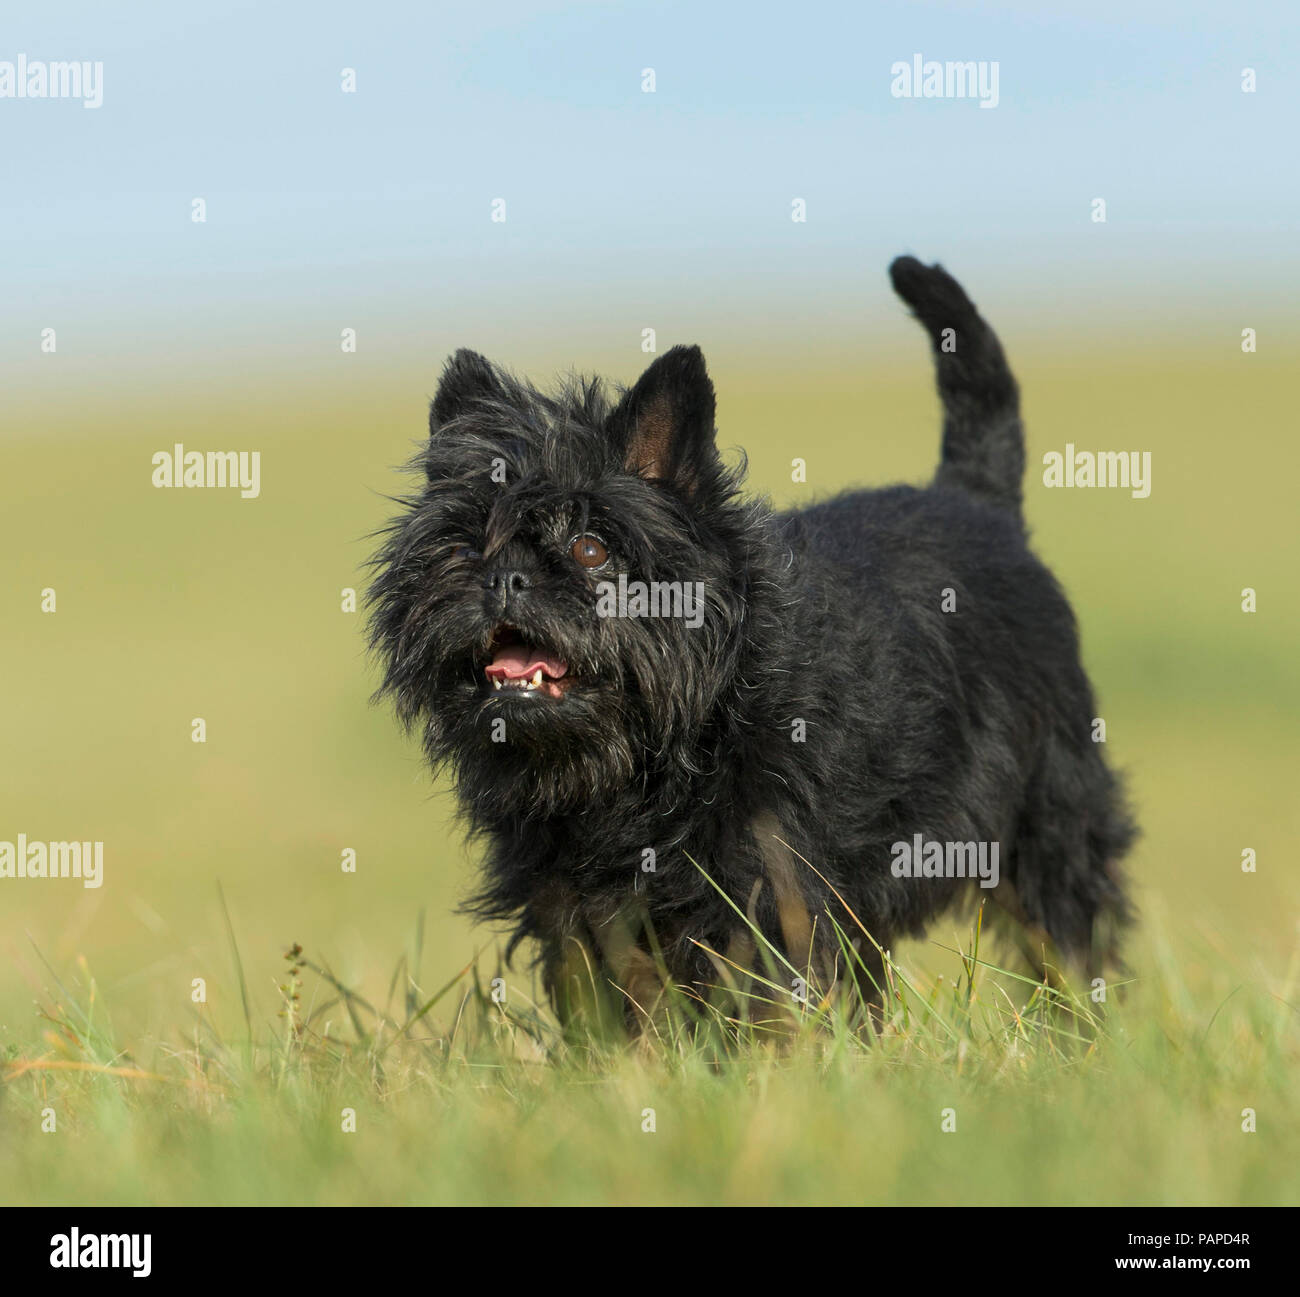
<point x="976" y="718"/>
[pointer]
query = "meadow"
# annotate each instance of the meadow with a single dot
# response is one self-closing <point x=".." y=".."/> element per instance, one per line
<point x="223" y="856"/>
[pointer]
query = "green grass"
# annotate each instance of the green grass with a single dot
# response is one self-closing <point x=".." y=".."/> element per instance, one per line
<point x="174" y="605"/>
<point x="459" y="1098"/>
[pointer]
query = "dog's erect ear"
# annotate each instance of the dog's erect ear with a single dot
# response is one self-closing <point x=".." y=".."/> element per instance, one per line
<point x="664" y="424"/>
<point x="467" y="376"/>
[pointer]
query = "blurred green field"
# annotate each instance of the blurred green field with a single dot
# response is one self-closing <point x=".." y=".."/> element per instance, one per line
<point x="181" y="604"/>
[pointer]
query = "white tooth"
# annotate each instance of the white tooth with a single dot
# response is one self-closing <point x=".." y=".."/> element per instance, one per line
<point x="537" y="678"/>
<point x="497" y="683"/>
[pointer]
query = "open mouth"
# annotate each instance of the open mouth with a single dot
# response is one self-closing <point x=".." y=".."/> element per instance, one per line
<point x="520" y="666"/>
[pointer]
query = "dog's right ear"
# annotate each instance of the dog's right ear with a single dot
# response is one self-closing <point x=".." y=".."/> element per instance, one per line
<point x="466" y="377"/>
<point x="663" y="426"/>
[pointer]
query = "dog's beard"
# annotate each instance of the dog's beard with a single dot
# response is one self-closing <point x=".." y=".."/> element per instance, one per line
<point x="559" y="746"/>
<point x="545" y="774"/>
<point x="542" y="714"/>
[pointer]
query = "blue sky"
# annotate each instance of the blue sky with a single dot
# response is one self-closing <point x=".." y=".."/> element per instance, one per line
<point x="377" y="203"/>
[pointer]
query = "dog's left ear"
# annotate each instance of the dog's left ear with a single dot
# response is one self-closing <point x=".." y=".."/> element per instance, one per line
<point x="664" y="424"/>
<point x="466" y="377"/>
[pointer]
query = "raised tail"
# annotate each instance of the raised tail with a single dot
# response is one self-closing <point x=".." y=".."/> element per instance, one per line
<point x="983" y="440"/>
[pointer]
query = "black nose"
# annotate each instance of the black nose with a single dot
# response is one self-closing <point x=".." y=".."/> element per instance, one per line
<point x="507" y="581"/>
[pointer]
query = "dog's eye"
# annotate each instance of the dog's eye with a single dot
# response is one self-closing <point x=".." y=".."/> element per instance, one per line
<point x="588" y="551"/>
<point x="464" y="551"/>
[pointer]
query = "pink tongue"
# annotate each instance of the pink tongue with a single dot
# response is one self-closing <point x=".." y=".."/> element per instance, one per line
<point x="519" y="662"/>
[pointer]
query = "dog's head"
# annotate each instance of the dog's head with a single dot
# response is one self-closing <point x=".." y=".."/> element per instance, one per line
<point x="561" y="605"/>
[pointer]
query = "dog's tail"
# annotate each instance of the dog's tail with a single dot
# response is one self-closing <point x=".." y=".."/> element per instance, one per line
<point x="983" y="441"/>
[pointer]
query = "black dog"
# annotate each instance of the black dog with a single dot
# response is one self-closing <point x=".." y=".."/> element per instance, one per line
<point x="868" y="697"/>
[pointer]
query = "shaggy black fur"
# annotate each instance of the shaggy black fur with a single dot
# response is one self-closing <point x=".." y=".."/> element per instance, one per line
<point x="825" y="625"/>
